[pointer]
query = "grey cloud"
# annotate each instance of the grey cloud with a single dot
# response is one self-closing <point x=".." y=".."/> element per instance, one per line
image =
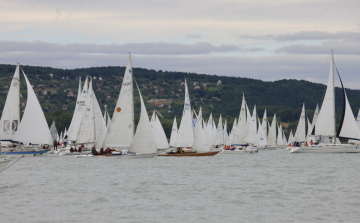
<point x="340" y="47"/>
<point x="308" y="35"/>
<point x="137" y="48"/>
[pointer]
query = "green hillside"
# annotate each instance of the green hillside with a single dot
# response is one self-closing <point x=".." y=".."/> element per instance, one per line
<point x="285" y="97"/>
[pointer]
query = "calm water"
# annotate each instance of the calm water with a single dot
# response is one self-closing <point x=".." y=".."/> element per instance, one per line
<point x="272" y="186"/>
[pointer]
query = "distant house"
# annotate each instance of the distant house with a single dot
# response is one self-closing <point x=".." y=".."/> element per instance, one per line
<point x="215" y="98"/>
<point x="118" y="77"/>
<point x="41" y="85"/>
<point x="99" y="89"/>
<point x="45" y="93"/>
<point x="196" y="83"/>
<point x="107" y="96"/>
<point x="70" y="94"/>
<point x="51" y="75"/>
<point x="219" y="82"/>
<point x="6" y="86"/>
<point x="94" y="78"/>
<point x="117" y="86"/>
<point x="205" y="84"/>
<point x="197" y="88"/>
<point x="22" y="104"/>
<point x="156" y="90"/>
<point x="64" y="107"/>
<point x="179" y="89"/>
<point x="159" y="105"/>
<point x="155" y="86"/>
<point x="182" y="83"/>
<point x="100" y="78"/>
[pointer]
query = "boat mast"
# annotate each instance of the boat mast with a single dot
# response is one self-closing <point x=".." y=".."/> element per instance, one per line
<point x="332" y="70"/>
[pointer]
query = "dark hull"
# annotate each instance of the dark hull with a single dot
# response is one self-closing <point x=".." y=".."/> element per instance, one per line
<point x="190" y="154"/>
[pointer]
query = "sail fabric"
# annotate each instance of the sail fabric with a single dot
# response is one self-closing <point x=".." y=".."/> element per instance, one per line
<point x="261" y="137"/>
<point x="53" y="131"/>
<point x="121" y="130"/>
<point x="325" y="123"/>
<point x="86" y="132"/>
<point x="209" y="127"/>
<point x="61" y="137"/>
<point x="226" y="136"/>
<point x="185" y="136"/>
<point x="101" y="138"/>
<point x="10" y="118"/>
<point x="284" y="139"/>
<point x="279" y="140"/>
<point x="232" y="133"/>
<point x="316" y="114"/>
<point x="251" y="128"/>
<point x="213" y="133"/>
<point x="79" y="109"/>
<point x="291" y="137"/>
<point x="159" y="134"/>
<point x="143" y="141"/>
<point x="300" y="134"/>
<point x="174" y="131"/>
<point x="264" y="123"/>
<point x="272" y="132"/>
<point x="241" y="125"/>
<point x="33" y="127"/>
<point x="348" y="128"/>
<point x="309" y="137"/>
<point x="200" y="142"/>
<point x="99" y="119"/>
<point x="219" y="138"/>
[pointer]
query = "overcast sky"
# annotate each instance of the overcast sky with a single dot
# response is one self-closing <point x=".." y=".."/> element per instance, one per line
<point x="259" y="39"/>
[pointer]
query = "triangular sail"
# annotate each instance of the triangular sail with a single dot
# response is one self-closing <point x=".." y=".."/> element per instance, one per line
<point x="143" y="142"/>
<point x="78" y="112"/>
<point x="272" y="132"/>
<point x="185" y="136"/>
<point x="159" y="134"/>
<point x="251" y="135"/>
<point x="232" y="133"/>
<point x="325" y="123"/>
<point x="33" y="127"/>
<point x="174" y="131"/>
<point x="279" y="140"/>
<point x="10" y="118"/>
<point x="86" y="132"/>
<point x="264" y="123"/>
<point x="309" y="137"/>
<point x="200" y="142"/>
<point x="300" y="134"/>
<point x="53" y="131"/>
<point x="291" y="137"/>
<point x="284" y="139"/>
<point x="219" y="138"/>
<point x="240" y="128"/>
<point x="121" y="130"/>
<point x="261" y="137"/>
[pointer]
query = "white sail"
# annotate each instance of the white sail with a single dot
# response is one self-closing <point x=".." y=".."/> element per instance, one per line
<point x="10" y="118"/>
<point x="309" y="137"/>
<point x="291" y="137"/>
<point x="348" y="127"/>
<point x="78" y="112"/>
<point x="279" y="140"/>
<point x="272" y="132"/>
<point x="61" y="137"/>
<point x="185" y="136"/>
<point x="53" y="131"/>
<point x="358" y="124"/>
<point x="159" y="134"/>
<point x="213" y="133"/>
<point x="325" y="123"/>
<point x="226" y="136"/>
<point x="143" y="141"/>
<point x="264" y="124"/>
<point x="121" y="130"/>
<point x="174" y="131"/>
<point x="86" y="132"/>
<point x="209" y="127"/>
<point x="232" y="133"/>
<point x="33" y="127"/>
<point x="316" y="114"/>
<point x="200" y="142"/>
<point x="284" y="139"/>
<point x="101" y="138"/>
<point x="251" y="128"/>
<point x="99" y="119"/>
<point x="219" y="138"/>
<point x="300" y="134"/>
<point x="261" y="137"/>
<point x="241" y="126"/>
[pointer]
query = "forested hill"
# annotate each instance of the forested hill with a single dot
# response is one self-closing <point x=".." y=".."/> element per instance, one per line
<point x="285" y="97"/>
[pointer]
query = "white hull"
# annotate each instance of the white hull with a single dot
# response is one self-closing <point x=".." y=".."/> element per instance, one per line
<point x="327" y="149"/>
<point x="132" y="156"/>
<point x="235" y="151"/>
<point x="3" y="163"/>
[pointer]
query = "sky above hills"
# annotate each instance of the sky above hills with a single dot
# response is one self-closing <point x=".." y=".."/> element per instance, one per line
<point x="259" y="39"/>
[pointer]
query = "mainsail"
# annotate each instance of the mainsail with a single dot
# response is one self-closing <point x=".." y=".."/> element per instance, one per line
<point x="272" y="132"/>
<point x="185" y="136"/>
<point x="300" y="130"/>
<point x="174" y="131"/>
<point x="10" y="118"/>
<point x="121" y="130"/>
<point x="240" y="128"/>
<point x="219" y="138"/>
<point x="200" y="142"/>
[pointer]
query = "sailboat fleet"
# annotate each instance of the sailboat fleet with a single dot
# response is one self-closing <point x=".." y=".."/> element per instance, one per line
<point x="194" y="137"/>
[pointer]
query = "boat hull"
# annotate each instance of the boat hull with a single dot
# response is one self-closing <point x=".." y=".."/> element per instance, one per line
<point x="139" y="156"/>
<point x="235" y="151"/>
<point x="3" y="164"/>
<point x="326" y="149"/>
<point x="190" y="154"/>
<point x="25" y="153"/>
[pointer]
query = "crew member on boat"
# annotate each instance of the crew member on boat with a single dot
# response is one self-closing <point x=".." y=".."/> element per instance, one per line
<point x="94" y="152"/>
<point x="101" y="151"/>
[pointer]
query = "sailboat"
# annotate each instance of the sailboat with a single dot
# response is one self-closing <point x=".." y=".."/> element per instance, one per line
<point x="300" y="134"/>
<point x="159" y="133"/>
<point x="241" y="126"/>
<point x="174" y="131"/>
<point x="121" y="130"/>
<point x="201" y="145"/>
<point x="33" y="131"/>
<point x="219" y="138"/>
<point x="325" y="124"/>
<point x="271" y="138"/>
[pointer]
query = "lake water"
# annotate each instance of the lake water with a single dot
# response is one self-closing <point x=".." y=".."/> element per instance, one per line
<point x="271" y="186"/>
